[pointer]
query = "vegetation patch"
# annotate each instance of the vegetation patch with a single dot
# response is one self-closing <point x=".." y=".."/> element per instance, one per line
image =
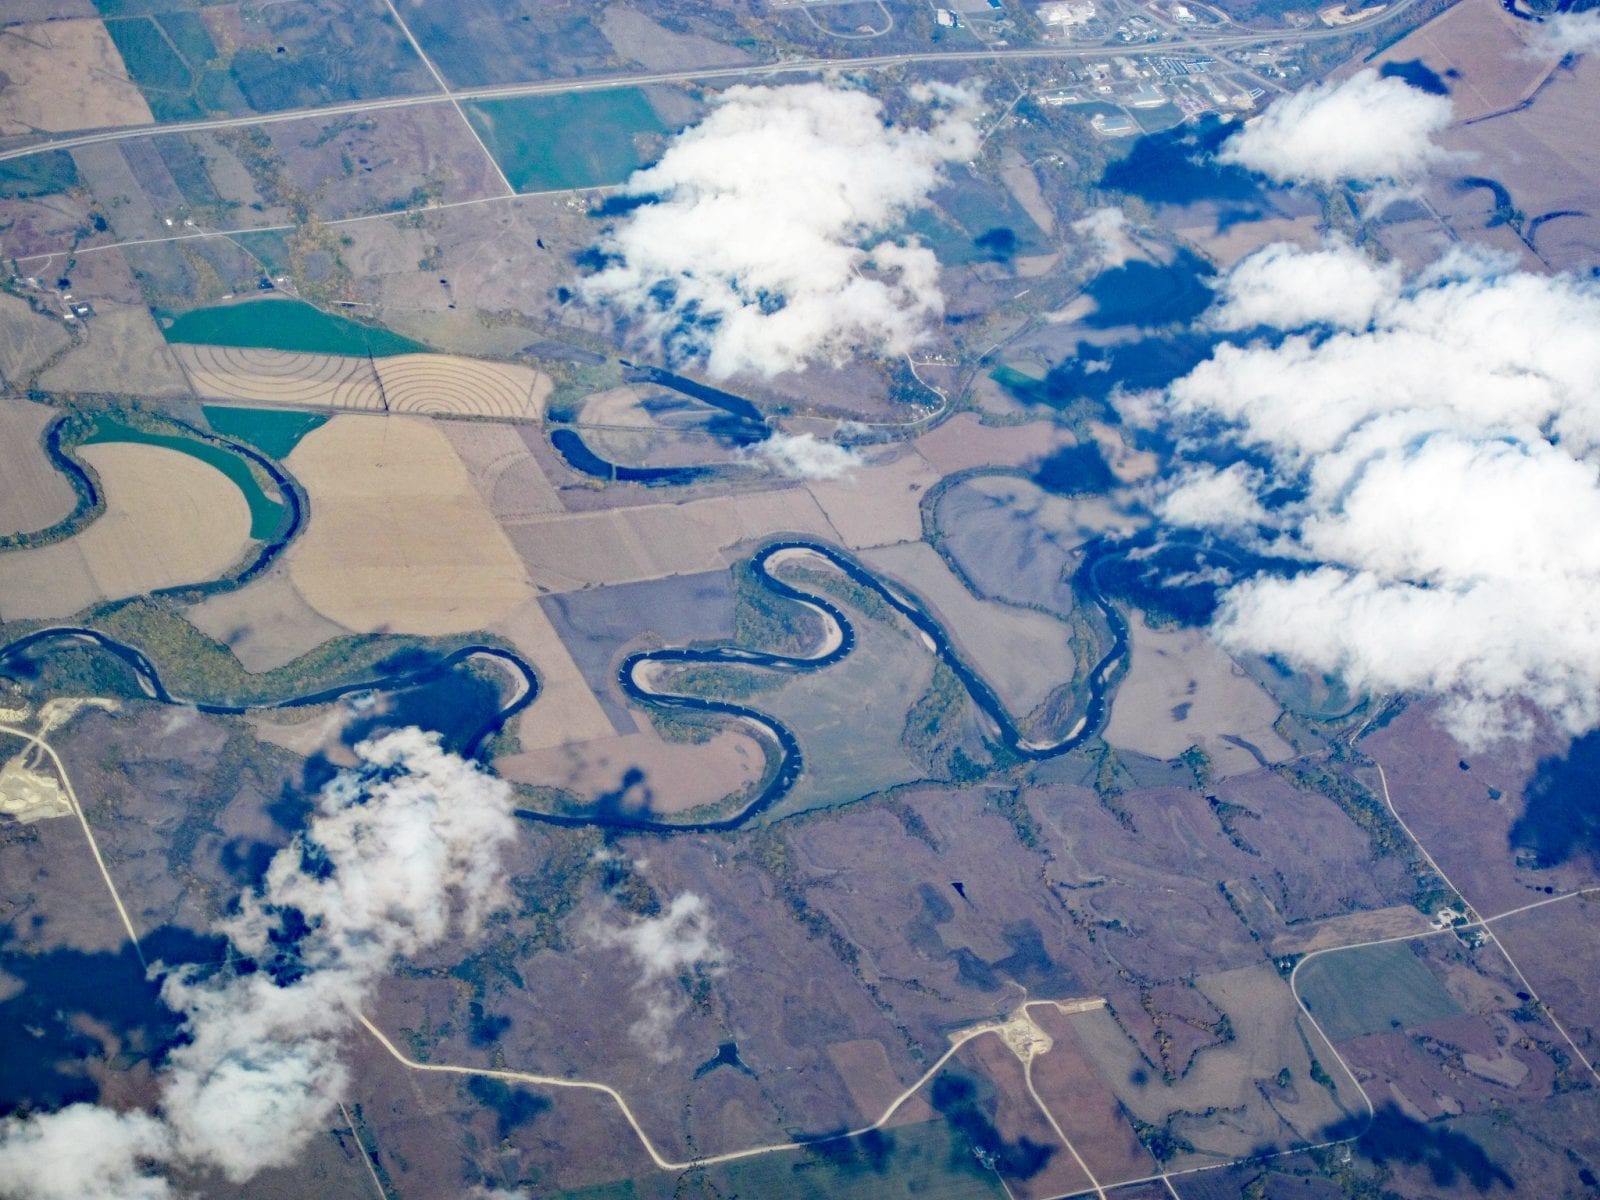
<point x="37" y="175"/>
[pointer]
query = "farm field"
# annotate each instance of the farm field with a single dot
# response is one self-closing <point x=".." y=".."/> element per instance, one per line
<point x="1371" y="990"/>
<point x="650" y="541"/>
<point x="878" y="504"/>
<point x="288" y="325"/>
<point x="1270" y="1036"/>
<point x="267" y="513"/>
<point x="1022" y="654"/>
<point x="27" y="340"/>
<point x="430" y="384"/>
<point x="65" y="75"/>
<point x="399" y="539"/>
<point x="556" y="143"/>
<point x="364" y="427"/>
<point x="1182" y="691"/>
<point x="122" y="352"/>
<point x="170" y="519"/>
<point x="642" y="774"/>
<point x="1014" y="541"/>
<point x="266" y="624"/>
<point x="33" y="494"/>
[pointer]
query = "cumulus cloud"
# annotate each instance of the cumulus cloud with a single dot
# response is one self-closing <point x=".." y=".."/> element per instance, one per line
<point x="1435" y="467"/>
<point x="1106" y="228"/>
<point x="401" y="851"/>
<point x="1365" y="128"/>
<point x="663" y="948"/>
<point x="84" y="1152"/>
<point x="1567" y="33"/>
<point x="1285" y="287"/>
<point x="755" y="247"/>
<point x="804" y="456"/>
<point x="1223" y="499"/>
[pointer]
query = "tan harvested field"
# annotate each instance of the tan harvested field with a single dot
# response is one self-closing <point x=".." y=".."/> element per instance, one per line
<point x="1183" y="691"/>
<point x="618" y="406"/>
<point x="307" y="731"/>
<point x="1024" y="185"/>
<point x="565" y="710"/>
<point x="1022" y="654"/>
<point x="1245" y="237"/>
<point x="33" y="494"/>
<point x="618" y="425"/>
<point x="651" y="541"/>
<point x="170" y="519"/>
<point x="447" y="385"/>
<point x="863" y="1064"/>
<point x="280" y="377"/>
<point x="877" y="505"/>
<point x="432" y="384"/>
<point x="507" y="476"/>
<point x="266" y="624"/>
<point x="27" y="339"/>
<point x="1399" y="920"/>
<point x="123" y="352"/>
<point x="398" y="538"/>
<point x="65" y="75"/>
<point x="1554" y="166"/>
<point x="1486" y="45"/>
<point x="673" y="776"/>
<point x="962" y="443"/>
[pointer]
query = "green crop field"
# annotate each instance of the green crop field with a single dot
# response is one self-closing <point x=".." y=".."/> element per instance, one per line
<point x="274" y="432"/>
<point x="37" y="175"/>
<point x="286" y="325"/>
<point x="550" y="143"/>
<point x="1373" y="989"/>
<point x="266" y="514"/>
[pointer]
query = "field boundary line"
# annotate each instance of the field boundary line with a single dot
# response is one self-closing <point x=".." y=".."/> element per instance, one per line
<point x="444" y="90"/>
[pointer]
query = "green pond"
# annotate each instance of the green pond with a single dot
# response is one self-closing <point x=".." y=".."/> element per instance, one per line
<point x="266" y="514"/>
<point x="274" y="432"/>
<point x="286" y="325"/>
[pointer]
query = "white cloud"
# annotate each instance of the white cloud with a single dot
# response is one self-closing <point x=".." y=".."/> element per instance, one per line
<point x="1223" y="499"/>
<point x="1443" y="459"/>
<point x="401" y="851"/>
<point x="663" y="948"/>
<point x="1285" y="287"/>
<point x="756" y="252"/>
<point x="83" y="1152"/>
<point x="1364" y="128"/>
<point x="1567" y="33"/>
<point x="1107" y="229"/>
<point x="805" y="456"/>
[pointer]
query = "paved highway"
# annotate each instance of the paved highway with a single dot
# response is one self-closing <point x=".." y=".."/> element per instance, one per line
<point x="799" y="66"/>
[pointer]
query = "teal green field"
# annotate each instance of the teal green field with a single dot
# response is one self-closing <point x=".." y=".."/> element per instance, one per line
<point x="552" y="143"/>
<point x="286" y="325"/>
